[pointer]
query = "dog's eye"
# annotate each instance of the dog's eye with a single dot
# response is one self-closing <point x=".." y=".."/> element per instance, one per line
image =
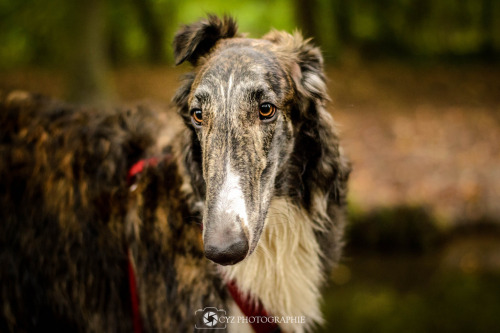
<point x="267" y="111"/>
<point x="197" y="117"/>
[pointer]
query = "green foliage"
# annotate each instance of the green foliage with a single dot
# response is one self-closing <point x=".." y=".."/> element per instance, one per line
<point x="33" y="32"/>
<point x="139" y="31"/>
<point x="255" y="17"/>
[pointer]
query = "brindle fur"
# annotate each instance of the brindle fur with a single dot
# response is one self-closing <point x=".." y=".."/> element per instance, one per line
<point x="68" y="215"/>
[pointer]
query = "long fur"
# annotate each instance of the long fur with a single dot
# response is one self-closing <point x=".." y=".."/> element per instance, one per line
<point x="285" y="272"/>
<point x="68" y="215"/>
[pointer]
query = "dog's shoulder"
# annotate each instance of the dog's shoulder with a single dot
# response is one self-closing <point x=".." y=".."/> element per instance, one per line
<point x="66" y="159"/>
<point x="38" y="130"/>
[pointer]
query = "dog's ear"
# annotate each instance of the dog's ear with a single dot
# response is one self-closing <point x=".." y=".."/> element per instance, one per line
<point x="195" y="40"/>
<point x="305" y="63"/>
<point x="317" y="158"/>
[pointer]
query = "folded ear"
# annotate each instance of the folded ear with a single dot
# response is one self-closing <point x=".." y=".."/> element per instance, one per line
<point x="305" y="61"/>
<point x="195" y="40"/>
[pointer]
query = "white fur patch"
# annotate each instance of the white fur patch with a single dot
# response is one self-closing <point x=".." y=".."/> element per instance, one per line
<point x="229" y="86"/>
<point x="231" y="199"/>
<point x="284" y="272"/>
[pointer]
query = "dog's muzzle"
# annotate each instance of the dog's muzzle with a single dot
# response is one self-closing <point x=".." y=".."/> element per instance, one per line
<point x="224" y="240"/>
<point x="225" y="246"/>
<point x="226" y="218"/>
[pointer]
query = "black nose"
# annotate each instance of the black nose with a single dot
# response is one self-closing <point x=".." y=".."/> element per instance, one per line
<point x="227" y="251"/>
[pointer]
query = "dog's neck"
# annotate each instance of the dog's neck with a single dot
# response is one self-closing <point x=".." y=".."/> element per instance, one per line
<point x="284" y="272"/>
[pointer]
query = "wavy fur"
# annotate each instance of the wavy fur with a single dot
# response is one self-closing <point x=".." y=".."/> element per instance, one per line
<point x="69" y="217"/>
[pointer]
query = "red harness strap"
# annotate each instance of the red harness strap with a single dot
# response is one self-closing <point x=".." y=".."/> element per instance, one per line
<point x="136" y="169"/>
<point x="139" y="167"/>
<point x="248" y="308"/>
<point x="134" y="297"/>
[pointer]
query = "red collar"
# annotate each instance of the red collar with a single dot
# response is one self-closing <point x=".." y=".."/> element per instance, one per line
<point x="249" y="309"/>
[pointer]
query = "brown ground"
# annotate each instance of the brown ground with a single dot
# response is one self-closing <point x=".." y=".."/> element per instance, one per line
<point x="422" y="136"/>
<point x="416" y="135"/>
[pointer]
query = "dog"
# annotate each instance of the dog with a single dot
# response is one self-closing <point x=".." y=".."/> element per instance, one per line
<point x="108" y="226"/>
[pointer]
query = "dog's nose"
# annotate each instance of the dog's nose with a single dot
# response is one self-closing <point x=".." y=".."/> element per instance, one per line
<point x="226" y="250"/>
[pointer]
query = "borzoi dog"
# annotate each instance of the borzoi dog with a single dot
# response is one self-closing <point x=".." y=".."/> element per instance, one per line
<point x="236" y="222"/>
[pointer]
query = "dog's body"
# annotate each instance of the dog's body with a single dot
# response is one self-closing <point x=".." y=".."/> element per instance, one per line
<point x="258" y="166"/>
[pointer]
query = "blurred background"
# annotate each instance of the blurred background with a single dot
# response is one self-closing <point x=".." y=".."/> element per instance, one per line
<point x="415" y="88"/>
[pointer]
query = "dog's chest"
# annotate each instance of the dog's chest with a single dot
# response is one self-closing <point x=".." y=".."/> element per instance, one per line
<point x="284" y="272"/>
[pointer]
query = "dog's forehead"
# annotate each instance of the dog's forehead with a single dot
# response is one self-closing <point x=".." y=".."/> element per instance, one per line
<point x="239" y="63"/>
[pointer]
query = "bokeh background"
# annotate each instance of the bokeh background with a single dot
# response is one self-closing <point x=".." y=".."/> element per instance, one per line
<point x="415" y="88"/>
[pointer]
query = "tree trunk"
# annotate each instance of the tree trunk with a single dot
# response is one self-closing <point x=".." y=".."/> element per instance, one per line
<point x="305" y="13"/>
<point x="88" y="80"/>
<point x="153" y="30"/>
<point x="343" y="21"/>
<point x="487" y="45"/>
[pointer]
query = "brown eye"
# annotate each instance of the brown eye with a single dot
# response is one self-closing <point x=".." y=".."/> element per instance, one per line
<point x="197" y="117"/>
<point x="267" y="111"/>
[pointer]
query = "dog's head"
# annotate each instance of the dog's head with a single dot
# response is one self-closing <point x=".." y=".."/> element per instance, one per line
<point x="246" y="102"/>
